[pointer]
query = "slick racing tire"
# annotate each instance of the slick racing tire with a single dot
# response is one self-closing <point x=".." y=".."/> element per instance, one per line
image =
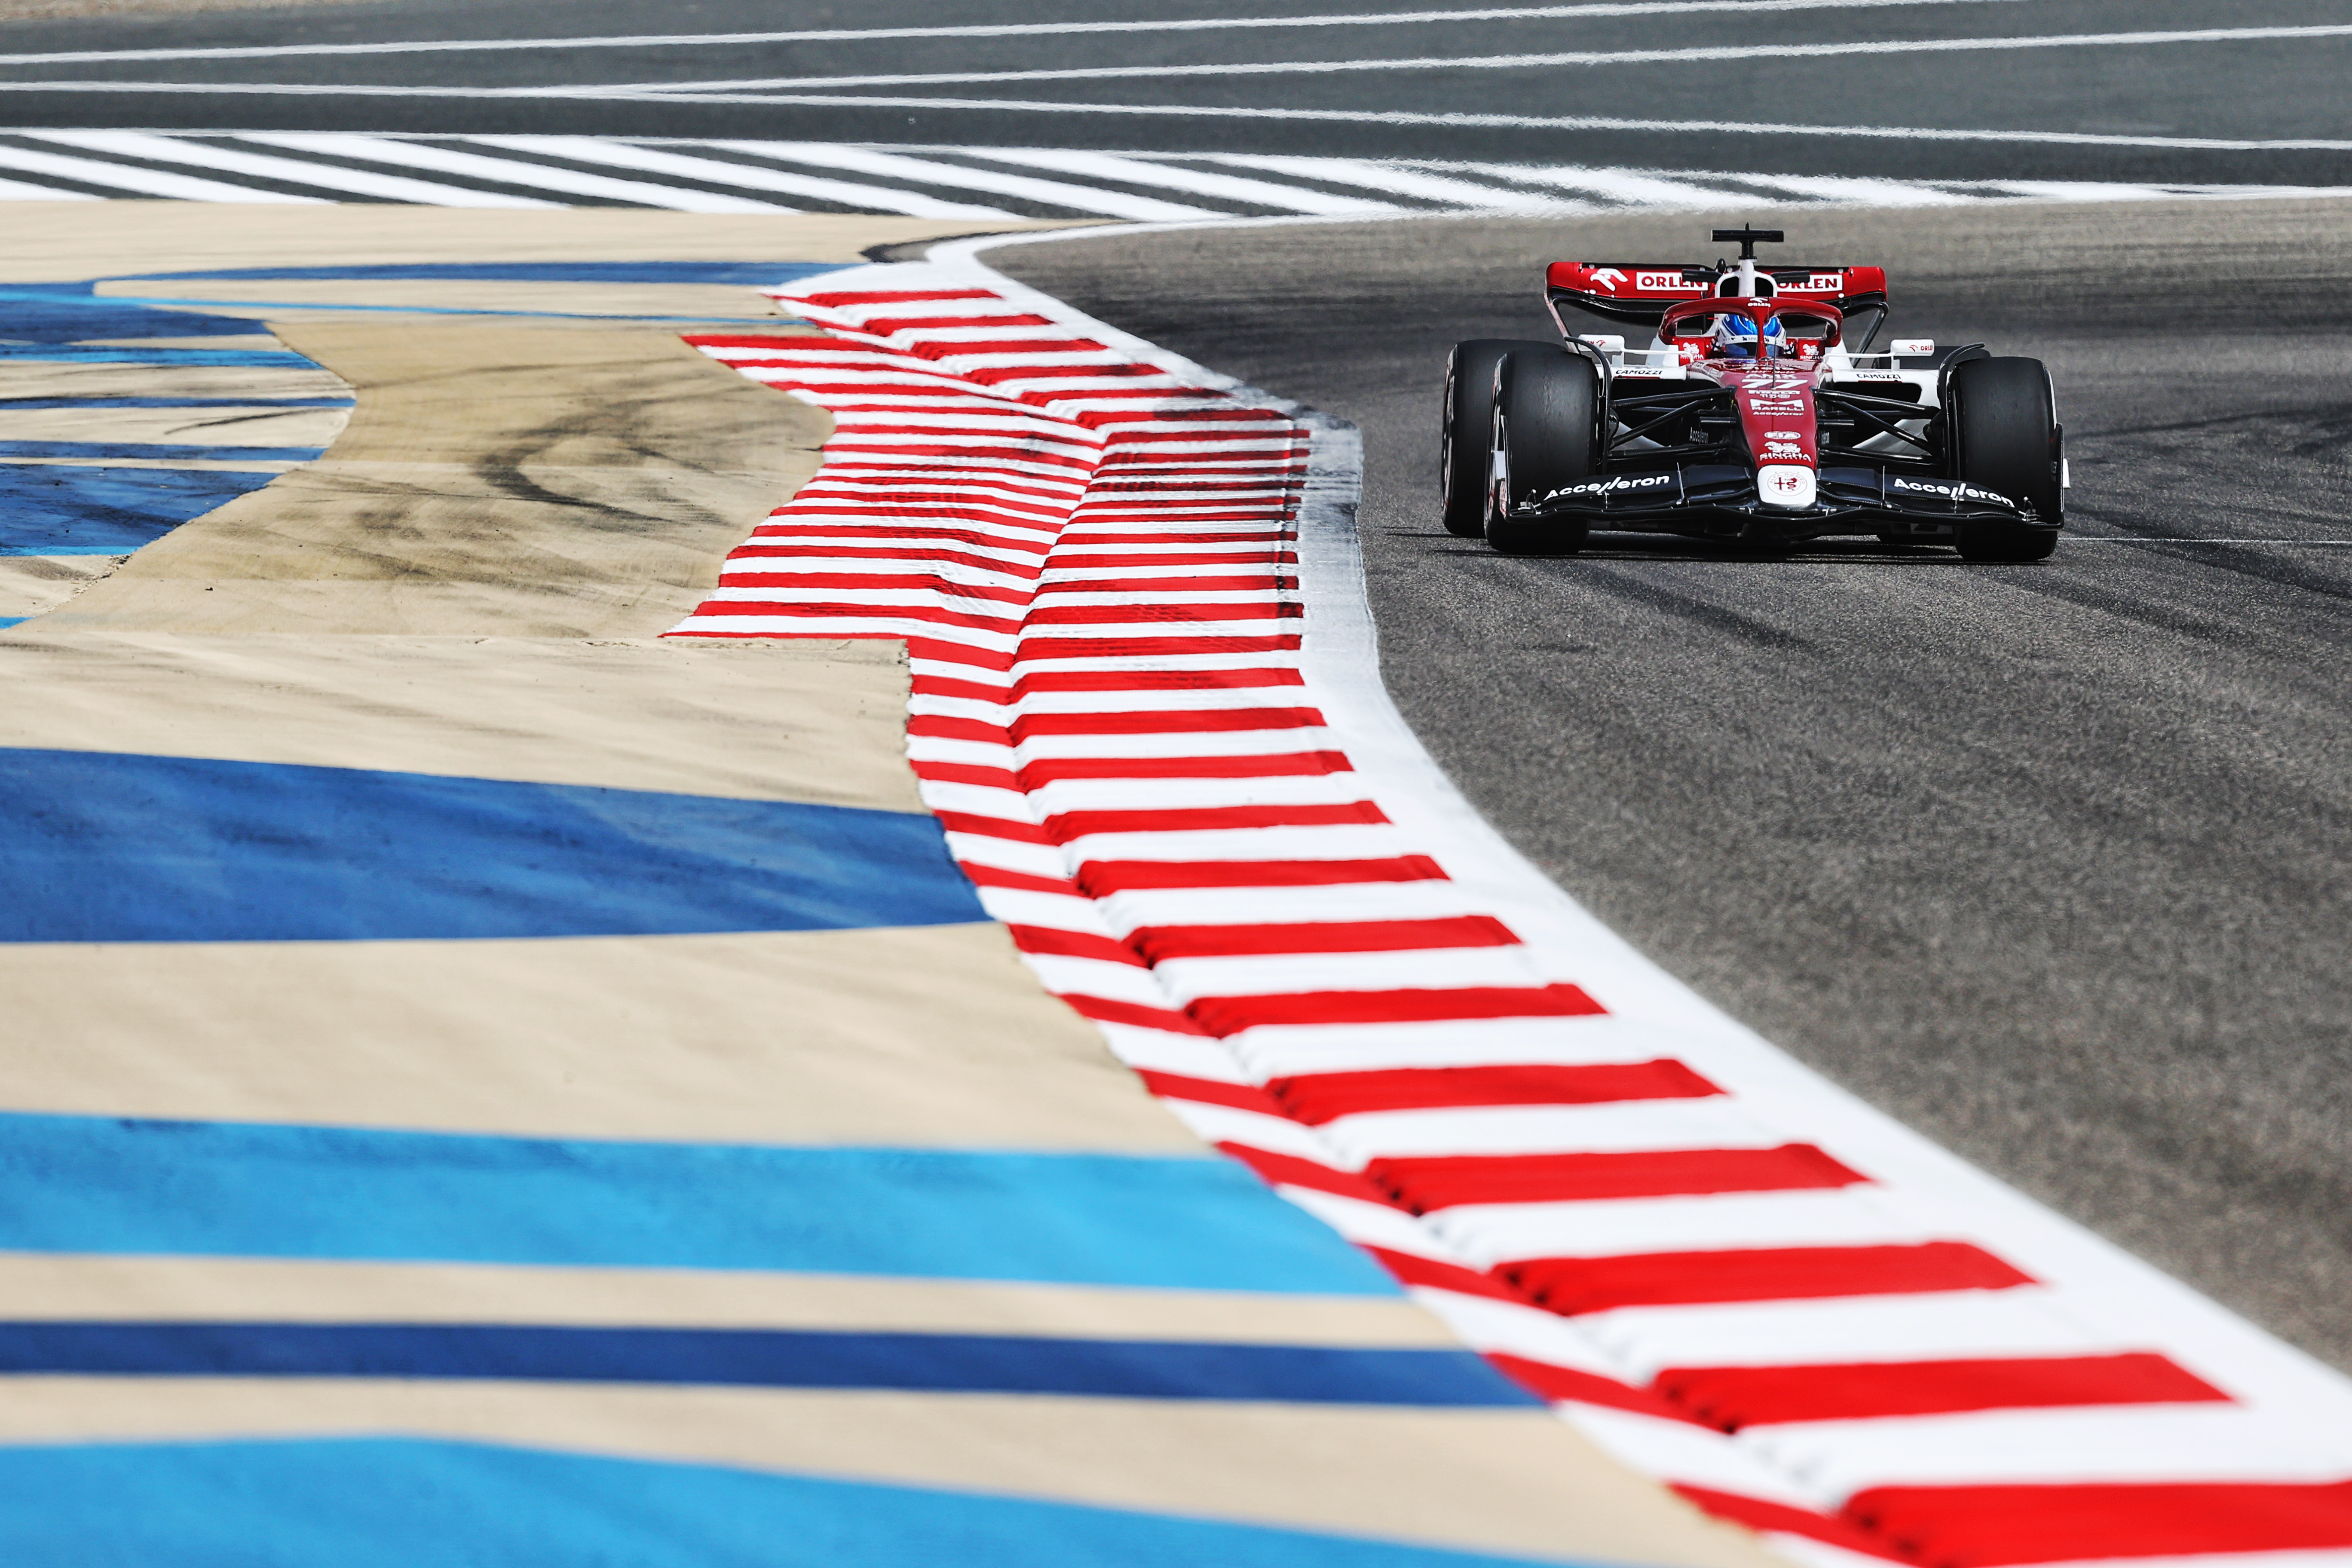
<point x="2003" y="430"/>
<point x="1464" y="426"/>
<point x="1546" y="427"/>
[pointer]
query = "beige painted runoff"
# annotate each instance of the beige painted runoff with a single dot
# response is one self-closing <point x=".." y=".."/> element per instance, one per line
<point x="49" y="240"/>
<point x="1498" y="1480"/>
<point x="816" y="720"/>
<point x="931" y="1035"/>
<point x="83" y="1287"/>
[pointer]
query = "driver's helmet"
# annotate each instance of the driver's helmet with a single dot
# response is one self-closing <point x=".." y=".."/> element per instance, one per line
<point x="1735" y="338"/>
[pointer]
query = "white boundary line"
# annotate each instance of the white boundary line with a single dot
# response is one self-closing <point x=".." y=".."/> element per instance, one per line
<point x="996" y="30"/>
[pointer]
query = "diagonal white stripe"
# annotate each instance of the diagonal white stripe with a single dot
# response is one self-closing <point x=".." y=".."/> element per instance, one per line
<point x="326" y="176"/>
<point x="927" y="171"/>
<point x="1141" y="171"/>
<point x="713" y="171"/>
<point x="506" y="171"/>
<point x="144" y="181"/>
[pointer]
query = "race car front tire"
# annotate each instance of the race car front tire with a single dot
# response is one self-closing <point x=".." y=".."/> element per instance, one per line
<point x="1546" y="426"/>
<point x="2002" y="425"/>
<point x="1466" y="424"/>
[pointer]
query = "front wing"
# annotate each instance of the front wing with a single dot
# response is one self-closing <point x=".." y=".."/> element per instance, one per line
<point x="1722" y="497"/>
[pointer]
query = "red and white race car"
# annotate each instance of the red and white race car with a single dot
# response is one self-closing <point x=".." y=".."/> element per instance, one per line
<point x="1757" y="413"/>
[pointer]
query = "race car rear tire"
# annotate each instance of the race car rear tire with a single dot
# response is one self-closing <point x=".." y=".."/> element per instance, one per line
<point x="2003" y="434"/>
<point x="1466" y="427"/>
<point x="1547" y="437"/>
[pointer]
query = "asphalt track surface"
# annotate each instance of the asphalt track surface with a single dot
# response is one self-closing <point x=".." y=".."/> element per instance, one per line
<point x="2057" y="90"/>
<point x="2050" y="862"/>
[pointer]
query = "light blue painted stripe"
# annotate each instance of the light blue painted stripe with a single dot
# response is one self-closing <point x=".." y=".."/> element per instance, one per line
<point x="400" y="1503"/>
<point x="13" y="620"/>
<point x="95" y="1185"/>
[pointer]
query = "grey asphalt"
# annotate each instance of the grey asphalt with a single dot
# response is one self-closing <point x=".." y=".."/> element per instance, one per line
<point x="2263" y="89"/>
<point x="2053" y="862"/>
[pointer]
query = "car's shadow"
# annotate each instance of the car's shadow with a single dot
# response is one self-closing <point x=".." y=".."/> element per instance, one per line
<point x="1674" y="547"/>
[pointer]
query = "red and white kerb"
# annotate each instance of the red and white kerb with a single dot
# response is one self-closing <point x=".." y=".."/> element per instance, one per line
<point x="1733" y="1276"/>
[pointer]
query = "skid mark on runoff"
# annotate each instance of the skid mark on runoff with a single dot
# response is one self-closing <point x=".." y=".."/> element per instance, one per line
<point x="1158" y="745"/>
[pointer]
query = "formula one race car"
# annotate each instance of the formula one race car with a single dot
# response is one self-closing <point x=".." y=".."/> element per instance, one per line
<point x="1757" y="413"/>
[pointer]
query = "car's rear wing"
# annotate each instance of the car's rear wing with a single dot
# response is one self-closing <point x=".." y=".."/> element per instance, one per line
<point x="1639" y="291"/>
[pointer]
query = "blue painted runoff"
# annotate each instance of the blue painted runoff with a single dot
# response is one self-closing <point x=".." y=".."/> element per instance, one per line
<point x="6" y="621"/>
<point x="163" y="359"/>
<point x="748" y="274"/>
<point x="100" y="1184"/>
<point x="57" y="509"/>
<point x="114" y="847"/>
<point x="165" y="451"/>
<point x="764" y="1358"/>
<point x="70" y="312"/>
<point x="389" y="1502"/>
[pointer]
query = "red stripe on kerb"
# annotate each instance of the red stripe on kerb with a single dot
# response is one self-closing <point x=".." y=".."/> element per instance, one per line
<point x="1208" y="1091"/>
<point x="1162" y="721"/>
<point x="1153" y="679"/>
<point x="1290" y="1170"/>
<point x="1154" y="648"/>
<point x="1298" y="764"/>
<point x="1231" y="1014"/>
<point x="1411" y="1269"/>
<point x="888" y="326"/>
<point x="1143" y="613"/>
<point x="841" y="298"/>
<point x="1109" y="1010"/>
<point x="1326" y="1097"/>
<point x="1732" y="1397"/>
<point x="1069" y="824"/>
<point x="1101" y="878"/>
<point x="1446" y="1181"/>
<point x="1574" y="1285"/>
<point x="1160" y="944"/>
<point x="1059" y="943"/>
<point x="1994" y="1526"/>
<point x="1549" y="1382"/>
<point x="1016" y="881"/>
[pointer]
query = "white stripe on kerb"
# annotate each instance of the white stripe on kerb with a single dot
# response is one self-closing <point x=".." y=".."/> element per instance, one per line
<point x="1143" y="171"/>
<point x="1402" y="181"/>
<point x="508" y="172"/>
<point x="18" y="191"/>
<point x="931" y="172"/>
<point x="717" y="172"/>
<point x="142" y="182"/>
<point x="327" y="176"/>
